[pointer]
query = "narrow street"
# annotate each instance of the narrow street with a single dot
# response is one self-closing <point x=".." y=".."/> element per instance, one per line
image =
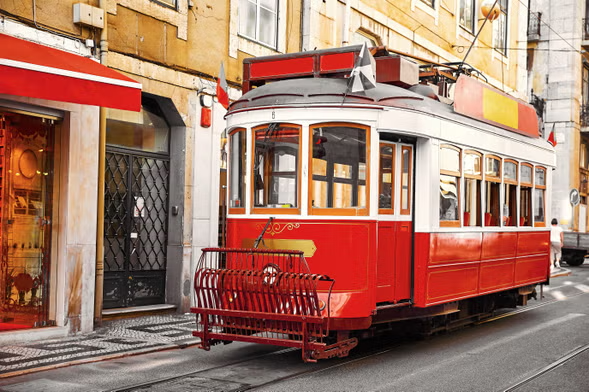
<point x="540" y="347"/>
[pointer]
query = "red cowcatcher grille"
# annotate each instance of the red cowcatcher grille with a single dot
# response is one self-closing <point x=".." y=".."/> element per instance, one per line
<point x="259" y="295"/>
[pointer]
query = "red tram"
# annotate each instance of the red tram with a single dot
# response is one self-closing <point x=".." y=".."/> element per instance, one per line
<point x="351" y="211"/>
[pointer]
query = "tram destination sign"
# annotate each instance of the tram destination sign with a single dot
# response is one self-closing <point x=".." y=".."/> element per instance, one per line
<point x="480" y="101"/>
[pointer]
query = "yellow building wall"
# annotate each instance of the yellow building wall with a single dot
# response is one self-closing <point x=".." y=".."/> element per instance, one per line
<point x="414" y="28"/>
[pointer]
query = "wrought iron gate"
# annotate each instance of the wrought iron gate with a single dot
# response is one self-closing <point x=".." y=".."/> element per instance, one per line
<point x="135" y="228"/>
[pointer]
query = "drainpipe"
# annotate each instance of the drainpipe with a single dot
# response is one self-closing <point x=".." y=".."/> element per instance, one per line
<point x="346" y="24"/>
<point x="305" y="25"/>
<point x="99" y="282"/>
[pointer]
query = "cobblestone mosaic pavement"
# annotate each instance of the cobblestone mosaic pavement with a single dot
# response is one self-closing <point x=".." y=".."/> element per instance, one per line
<point x="122" y="337"/>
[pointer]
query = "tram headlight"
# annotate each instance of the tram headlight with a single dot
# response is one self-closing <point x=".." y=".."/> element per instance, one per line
<point x="270" y="273"/>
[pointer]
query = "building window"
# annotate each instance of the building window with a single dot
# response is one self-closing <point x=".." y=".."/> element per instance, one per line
<point x="276" y="168"/>
<point x="258" y="20"/>
<point x="237" y="171"/>
<point x="585" y="98"/>
<point x="431" y="3"/>
<point x="146" y="130"/>
<point x="386" y="200"/>
<point x="466" y="14"/>
<point x="168" y="3"/>
<point x="509" y="193"/>
<point x="449" y="186"/>
<point x="339" y="170"/>
<point x="500" y="29"/>
<point x="360" y="36"/>
<point x="539" y="193"/>
<point x="492" y="189"/>
<point x="473" y="178"/>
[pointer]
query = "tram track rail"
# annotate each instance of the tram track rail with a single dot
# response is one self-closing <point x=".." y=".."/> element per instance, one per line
<point x="210" y="377"/>
<point x="193" y="379"/>
<point x="545" y="370"/>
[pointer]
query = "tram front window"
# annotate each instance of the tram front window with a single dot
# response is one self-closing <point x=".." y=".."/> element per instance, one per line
<point x="339" y="170"/>
<point x="275" y="167"/>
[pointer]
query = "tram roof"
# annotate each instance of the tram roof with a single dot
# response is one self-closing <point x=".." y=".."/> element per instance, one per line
<point x="313" y="92"/>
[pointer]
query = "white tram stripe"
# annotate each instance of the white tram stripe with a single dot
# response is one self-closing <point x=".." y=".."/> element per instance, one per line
<point x="583" y="288"/>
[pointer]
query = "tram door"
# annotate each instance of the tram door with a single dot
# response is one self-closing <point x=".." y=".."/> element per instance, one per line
<point x="395" y="221"/>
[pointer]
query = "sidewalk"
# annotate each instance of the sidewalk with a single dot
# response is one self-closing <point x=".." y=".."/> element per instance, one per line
<point x="116" y="338"/>
<point x="560" y="271"/>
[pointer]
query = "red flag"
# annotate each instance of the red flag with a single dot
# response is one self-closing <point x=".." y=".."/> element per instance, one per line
<point x="222" y="95"/>
<point x="552" y="138"/>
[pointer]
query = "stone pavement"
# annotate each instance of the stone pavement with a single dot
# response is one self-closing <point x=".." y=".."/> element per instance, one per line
<point x="115" y="338"/>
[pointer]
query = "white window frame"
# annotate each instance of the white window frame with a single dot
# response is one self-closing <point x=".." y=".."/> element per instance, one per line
<point x="259" y="8"/>
<point x="471" y="31"/>
<point x="239" y="43"/>
<point x="496" y="31"/>
<point x="433" y="12"/>
<point x="167" y="3"/>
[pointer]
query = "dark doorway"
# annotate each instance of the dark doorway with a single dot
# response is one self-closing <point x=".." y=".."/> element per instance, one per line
<point x="137" y="176"/>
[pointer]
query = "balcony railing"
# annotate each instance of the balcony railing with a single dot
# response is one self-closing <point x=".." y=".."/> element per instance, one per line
<point x="534" y="24"/>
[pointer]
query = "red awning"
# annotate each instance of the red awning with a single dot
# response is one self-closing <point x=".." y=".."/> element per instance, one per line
<point x="31" y="70"/>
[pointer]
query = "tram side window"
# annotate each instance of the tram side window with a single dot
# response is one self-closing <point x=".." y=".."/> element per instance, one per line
<point x="275" y="167"/>
<point x="386" y="200"/>
<point x="406" y="162"/>
<point x="510" y="192"/>
<point x="473" y="178"/>
<point x="449" y="185"/>
<point x="539" y="192"/>
<point x="525" y="208"/>
<point x="236" y="170"/>
<point x="492" y="189"/>
<point x="339" y="169"/>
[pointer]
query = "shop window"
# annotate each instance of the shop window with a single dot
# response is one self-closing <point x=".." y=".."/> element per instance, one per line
<point x="258" y="21"/>
<point x="525" y="208"/>
<point x="539" y="197"/>
<point x="339" y="170"/>
<point x="509" y="193"/>
<point x="237" y="171"/>
<point x="275" y="177"/>
<point x="473" y="178"/>
<point x="449" y="185"/>
<point x="492" y="190"/>
<point x="386" y="200"/>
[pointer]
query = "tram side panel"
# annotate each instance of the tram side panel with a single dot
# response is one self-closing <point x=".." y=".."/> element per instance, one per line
<point x="344" y="250"/>
<point x="454" y="266"/>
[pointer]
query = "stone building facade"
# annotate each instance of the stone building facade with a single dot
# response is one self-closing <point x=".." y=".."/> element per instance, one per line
<point x="558" y="84"/>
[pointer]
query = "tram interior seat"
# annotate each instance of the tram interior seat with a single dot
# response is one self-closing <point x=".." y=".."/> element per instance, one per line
<point x="489" y="220"/>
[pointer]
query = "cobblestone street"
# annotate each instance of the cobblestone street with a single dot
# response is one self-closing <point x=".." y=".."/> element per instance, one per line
<point x="114" y="338"/>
